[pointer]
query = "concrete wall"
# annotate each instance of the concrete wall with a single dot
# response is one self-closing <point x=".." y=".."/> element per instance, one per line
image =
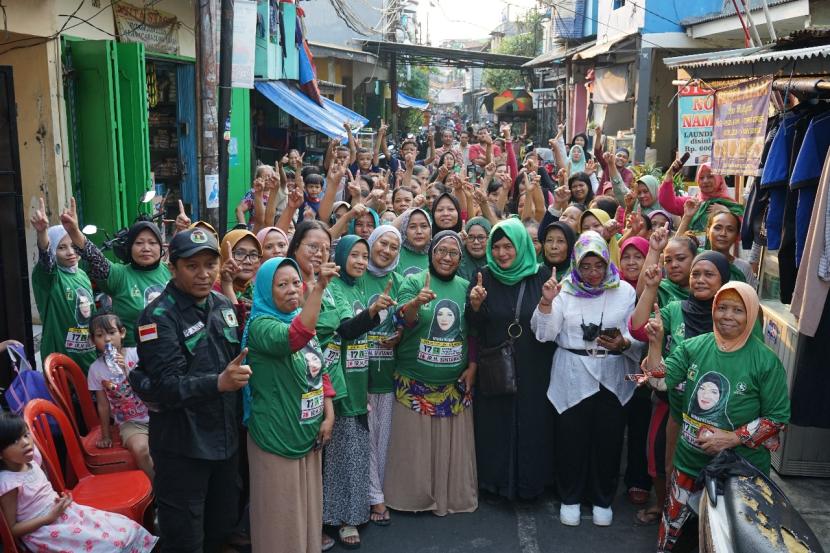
<point x="614" y="23"/>
<point x="323" y="24"/>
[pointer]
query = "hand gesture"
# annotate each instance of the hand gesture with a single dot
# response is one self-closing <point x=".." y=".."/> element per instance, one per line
<point x="431" y="140"/>
<point x="419" y="201"/>
<point x="295" y="198"/>
<point x="478" y="294"/>
<point x="236" y="375"/>
<point x="410" y="163"/>
<point x="230" y="268"/>
<point x="560" y="130"/>
<point x="659" y="238"/>
<point x="610" y="228"/>
<point x="531" y="165"/>
<point x="336" y="173"/>
<point x="490" y="170"/>
<point x="654" y="327"/>
<point x="479" y="197"/>
<point x="690" y="206"/>
<point x="383" y="302"/>
<point x="630" y="199"/>
<point x="69" y="217"/>
<point x="271" y="183"/>
<point x="328" y="271"/>
<point x="597" y="130"/>
<point x="562" y="177"/>
<point x="551" y="288"/>
<point x="356" y="211"/>
<point x="652" y="276"/>
<point x="561" y="196"/>
<point x="39" y="220"/>
<point x="309" y="213"/>
<point x="426" y="295"/>
<point x="61" y="504"/>
<point x="637" y="224"/>
<point x="590" y="167"/>
<point x="284" y="159"/>
<point x="443" y="172"/>
<point x="182" y="220"/>
<point x="347" y="127"/>
<point x="383" y="128"/>
<point x="505" y="131"/>
<point x="551" y="143"/>
<point x="608" y="157"/>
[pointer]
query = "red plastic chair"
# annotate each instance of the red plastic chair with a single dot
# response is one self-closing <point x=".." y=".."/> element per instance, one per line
<point x="128" y="493"/>
<point x="62" y="376"/>
<point x="9" y="543"/>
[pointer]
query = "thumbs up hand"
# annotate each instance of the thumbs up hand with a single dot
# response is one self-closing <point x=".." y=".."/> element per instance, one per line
<point x="236" y="375"/>
<point x="478" y="294"/>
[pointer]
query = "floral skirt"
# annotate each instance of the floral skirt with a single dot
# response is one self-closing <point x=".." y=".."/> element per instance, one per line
<point x="444" y="400"/>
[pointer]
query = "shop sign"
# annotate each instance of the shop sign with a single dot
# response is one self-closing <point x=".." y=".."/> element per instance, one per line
<point x="244" y="43"/>
<point x="740" y="123"/>
<point x="694" y="123"/>
<point x="157" y="30"/>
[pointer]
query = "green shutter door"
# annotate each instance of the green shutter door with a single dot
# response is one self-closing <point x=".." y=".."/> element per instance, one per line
<point x="99" y="174"/>
<point x="239" y="162"/>
<point x="135" y="141"/>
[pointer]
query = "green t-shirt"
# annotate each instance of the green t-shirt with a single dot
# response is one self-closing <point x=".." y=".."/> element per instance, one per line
<point x="131" y="291"/>
<point x="668" y="291"/>
<point x="354" y="354"/>
<point x="736" y="274"/>
<point x="66" y="304"/>
<point x="411" y="263"/>
<point x="286" y="390"/>
<point x="381" y="360"/>
<point x="327" y="323"/>
<point x="725" y="390"/>
<point x="434" y="351"/>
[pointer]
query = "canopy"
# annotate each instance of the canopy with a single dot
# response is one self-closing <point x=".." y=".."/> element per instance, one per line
<point x="327" y="119"/>
<point x="405" y="101"/>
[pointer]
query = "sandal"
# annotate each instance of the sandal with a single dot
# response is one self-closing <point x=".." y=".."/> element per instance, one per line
<point x="347" y="532"/>
<point x="328" y="542"/>
<point x="381" y="518"/>
<point x="647" y="517"/>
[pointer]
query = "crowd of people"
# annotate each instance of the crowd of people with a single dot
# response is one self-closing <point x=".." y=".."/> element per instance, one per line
<point x="385" y="333"/>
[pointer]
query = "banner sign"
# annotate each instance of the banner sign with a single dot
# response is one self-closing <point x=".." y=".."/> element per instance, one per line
<point x="740" y="114"/>
<point x="157" y="30"/>
<point x="244" y="43"/>
<point x="694" y="123"/>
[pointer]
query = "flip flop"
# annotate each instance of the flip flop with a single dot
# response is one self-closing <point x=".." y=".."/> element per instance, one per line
<point x="345" y="533"/>
<point x="384" y="520"/>
<point x="328" y="542"/>
<point x="647" y="517"/>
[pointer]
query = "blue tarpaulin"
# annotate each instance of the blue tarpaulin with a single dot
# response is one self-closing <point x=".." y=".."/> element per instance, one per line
<point x="327" y="119"/>
<point x="405" y="101"/>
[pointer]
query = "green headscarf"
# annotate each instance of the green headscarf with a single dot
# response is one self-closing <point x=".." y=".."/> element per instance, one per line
<point x="525" y="263"/>
<point x="698" y="222"/>
<point x="341" y="255"/>
<point x="650" y="182"/>
<point x="469" y="264"/>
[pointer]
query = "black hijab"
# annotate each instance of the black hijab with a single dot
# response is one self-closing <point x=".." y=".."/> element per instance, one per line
<point x="570" y="238"/>
<point x="437" y="239"/>
<point x="132" y="235"/>
<point x="458" y="223"/>
<point x="697" y="314"/>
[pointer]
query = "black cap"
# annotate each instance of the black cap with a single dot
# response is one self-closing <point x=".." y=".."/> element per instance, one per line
<point x="190" y="242"/>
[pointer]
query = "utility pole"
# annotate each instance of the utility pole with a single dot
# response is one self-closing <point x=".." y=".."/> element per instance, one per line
<point x="225" y="69"/>
<point x="207" y="75"/>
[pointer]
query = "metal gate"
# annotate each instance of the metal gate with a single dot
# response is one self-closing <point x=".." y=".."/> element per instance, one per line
<point x="550" y="111"/>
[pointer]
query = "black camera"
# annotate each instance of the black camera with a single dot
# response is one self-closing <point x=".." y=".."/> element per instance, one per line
<point x="590" y="332"/>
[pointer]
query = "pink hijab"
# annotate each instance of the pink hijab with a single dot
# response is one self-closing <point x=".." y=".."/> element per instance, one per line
<point x="641" y="245"/>
<point x="720" y="184"/>
<point x="264" y="232"/>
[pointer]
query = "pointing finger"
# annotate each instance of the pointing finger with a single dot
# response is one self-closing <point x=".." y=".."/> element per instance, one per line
<point x="181" y="208"/>
<point x="388" y="287"/>
<point x="241" y="357"/>
<point x="228" y="252"/>
<point x="426" y="281"/>
<point x="479" y="280"/>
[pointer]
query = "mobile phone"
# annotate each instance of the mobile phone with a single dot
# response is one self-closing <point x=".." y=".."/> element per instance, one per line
<point x="610" y="333"/>
<point x="472" y="173"/>
<point x="678" y="164"/>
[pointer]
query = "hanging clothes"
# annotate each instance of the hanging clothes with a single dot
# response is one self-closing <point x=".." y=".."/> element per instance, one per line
<point x="805" y="177"/>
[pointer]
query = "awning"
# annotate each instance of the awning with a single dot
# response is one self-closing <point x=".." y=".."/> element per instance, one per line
<point x="599" y="49"/>
<point x="744" y="56"/>
<point x="405" y="101"/>
<point x="327" y="119"/>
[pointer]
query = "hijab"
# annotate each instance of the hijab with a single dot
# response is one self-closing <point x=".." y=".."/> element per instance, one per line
<point x="458" y="223"/>
<point x="132" y="235"/>
<point x="57" y="233"/>
<point x="376" y="234"/>
<point x="716" y="414"/>
<point x="405" y="218"/>
<point x="641" y="245"/>
<point x="341" y="255"/>
<point x="697" y="314"/>
<point x="570" y="238"/>
<point x="720" y="184"/>
<point x="234" y="237"/>
<point x="370" y="211"/>
<point x="524" y="265"/>
<point x="590" y="242"/>
<point x="469" y="264"/>
<point x="436" y="241"/>
<point x="750" y="299"/>
<point x="482" y="222"/>
<point x="664" y="213"/>
<point x="650" y="182"/>
<point x="577" y="166"/>
<point x="263" y="234"/>
<point x="603" y="217"/>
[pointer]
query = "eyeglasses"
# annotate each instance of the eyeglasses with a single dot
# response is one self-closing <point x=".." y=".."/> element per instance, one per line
<point x="443" y="252"/>
<point x="241" y="255"/>
<point x="592" y="268"/>
<point x="314" y="248"/>
<point x="473" y="238"/>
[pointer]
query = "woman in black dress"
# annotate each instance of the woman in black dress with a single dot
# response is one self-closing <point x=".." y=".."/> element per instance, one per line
<point x="514" y="433"/>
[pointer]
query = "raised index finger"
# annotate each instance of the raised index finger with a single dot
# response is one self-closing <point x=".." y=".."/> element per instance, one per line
<point x="426" y="281"/>
<point x="181" y="208"/>
<point x="42" y="205"/>
<point x="241" y="357"/>
<point x="479" y="279"/>
<point x="388" y="287"/>
<point x="228" y="252"/>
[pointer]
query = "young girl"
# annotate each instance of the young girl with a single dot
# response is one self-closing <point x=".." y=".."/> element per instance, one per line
<point x="113" y="392"/>
<point x="47" y="522"/>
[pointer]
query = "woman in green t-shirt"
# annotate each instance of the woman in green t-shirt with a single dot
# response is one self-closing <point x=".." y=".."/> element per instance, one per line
<point x="384" y="254"/>
<point x="63" y="294"/>
<point x="431" y="464"/>
<point x="734" y="396"/>
<point x="131" y="286"/>
<point x="291" y="410"/>
<point x="346" y="466"/>
<point x="678" y="252"/>
<point x="416" y="230"/>
<point x="723" y="229"/>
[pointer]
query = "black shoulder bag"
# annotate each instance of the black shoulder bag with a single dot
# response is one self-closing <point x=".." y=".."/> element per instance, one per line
<point x="497" y="365"/>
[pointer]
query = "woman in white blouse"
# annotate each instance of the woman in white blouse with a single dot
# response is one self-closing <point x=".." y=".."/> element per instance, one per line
<point x="587" y="384"/>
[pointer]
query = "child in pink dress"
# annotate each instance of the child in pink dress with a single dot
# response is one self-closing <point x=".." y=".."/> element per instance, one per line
<point x="46" y="522"/>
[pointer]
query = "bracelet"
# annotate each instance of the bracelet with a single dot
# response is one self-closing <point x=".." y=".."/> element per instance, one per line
<point x="543" y="304"/>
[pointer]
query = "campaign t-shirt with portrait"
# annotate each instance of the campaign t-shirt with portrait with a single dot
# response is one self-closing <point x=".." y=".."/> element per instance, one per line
<point x="329" y="342"/>
<point x="412" y="263"/>
<point x="381" y="359"/>
<point x="725" y="390"/>
<point x="124" y="404"/>
<point x="287" y="400"/>
<point x="354" y="354"/>
<point x="66" y="305"/>
<point x="434" y="351"/>
<point x="131" y="291"/>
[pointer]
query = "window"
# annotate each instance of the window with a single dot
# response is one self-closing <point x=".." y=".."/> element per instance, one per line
<point x="619" y="4"/>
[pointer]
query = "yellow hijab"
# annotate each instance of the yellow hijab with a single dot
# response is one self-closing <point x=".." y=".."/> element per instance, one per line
<point x="234" y="238"/>
<point x="614" y="243"/>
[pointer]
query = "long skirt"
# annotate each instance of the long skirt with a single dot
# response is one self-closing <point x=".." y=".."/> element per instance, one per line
<point x="286" y="502"/>
<point x="380" y="425"/>
<point x="346" y="473"/>
<point x="431" y="464"/>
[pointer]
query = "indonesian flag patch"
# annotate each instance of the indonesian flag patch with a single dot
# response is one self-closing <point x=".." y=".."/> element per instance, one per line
<point x="148" y="332"/>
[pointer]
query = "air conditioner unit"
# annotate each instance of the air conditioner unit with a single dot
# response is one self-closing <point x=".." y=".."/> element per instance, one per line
<point x="804" y="451"/>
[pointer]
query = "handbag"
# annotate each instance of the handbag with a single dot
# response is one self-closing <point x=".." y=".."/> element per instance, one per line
<point x="497" y="365"/>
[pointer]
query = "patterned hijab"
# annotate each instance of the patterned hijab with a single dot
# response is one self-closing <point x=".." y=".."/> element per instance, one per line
<point x="590" y="243"/>
<point x="405" y="218"/>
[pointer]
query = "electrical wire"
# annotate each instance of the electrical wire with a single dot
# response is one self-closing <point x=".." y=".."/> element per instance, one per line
<point x="654" y="13"/>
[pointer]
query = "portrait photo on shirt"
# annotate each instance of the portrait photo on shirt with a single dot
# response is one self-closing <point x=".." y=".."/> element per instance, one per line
<point x="314" y="365"/>
<point x="84" y="304"/>
<point x="446" y="322"/>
